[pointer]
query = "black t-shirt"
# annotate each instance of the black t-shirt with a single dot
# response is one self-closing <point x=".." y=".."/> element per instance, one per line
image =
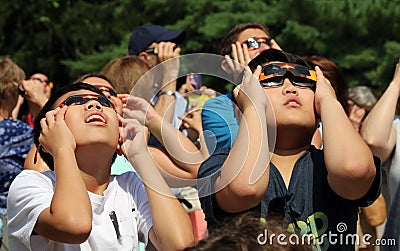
<point x="308" y="204"/>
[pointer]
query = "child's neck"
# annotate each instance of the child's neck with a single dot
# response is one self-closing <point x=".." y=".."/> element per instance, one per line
<point x="285" y="159"/>
<point x="95" y="167"/>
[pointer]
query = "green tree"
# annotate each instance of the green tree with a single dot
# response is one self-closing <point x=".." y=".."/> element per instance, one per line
<point x="67" y="38"/>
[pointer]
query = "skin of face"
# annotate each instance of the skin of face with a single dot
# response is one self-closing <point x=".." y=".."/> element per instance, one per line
<point x="253" y="32"/>
<point x="293" y="106"/>
<point x="102" y="82"/>
<point x="88" y="131"/>
<point x="152" y="59"/>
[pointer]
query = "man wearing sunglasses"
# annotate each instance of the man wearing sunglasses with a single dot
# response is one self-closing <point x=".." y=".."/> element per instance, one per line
<point x="154" y="44"/>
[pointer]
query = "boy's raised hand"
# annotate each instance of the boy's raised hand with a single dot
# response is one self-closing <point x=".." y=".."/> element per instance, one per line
<point x="55" y="135"/>
<point x="133" y="136"/>
<point x="323" y="90"/>
<point x="250" y="92"/>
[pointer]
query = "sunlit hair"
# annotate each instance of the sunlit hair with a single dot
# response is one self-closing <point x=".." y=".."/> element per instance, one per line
<point x="48" y="159"/>
<point x="11" y="76"/>
<point x="225" y="47"/>
<point x="363" y="97"/>
<point x="332" y="72"/>
<point x="124" y="72"/>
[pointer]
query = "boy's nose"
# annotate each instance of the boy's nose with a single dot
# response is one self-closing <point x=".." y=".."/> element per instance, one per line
<point x="288" y="87"/>
<point x="93" y="105"/>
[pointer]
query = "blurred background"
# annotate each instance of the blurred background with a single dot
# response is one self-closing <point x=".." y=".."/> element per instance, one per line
<point x="66" y="38"/>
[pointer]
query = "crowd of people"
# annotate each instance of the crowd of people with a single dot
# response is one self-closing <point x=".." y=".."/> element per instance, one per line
<point x="138" y="157"/>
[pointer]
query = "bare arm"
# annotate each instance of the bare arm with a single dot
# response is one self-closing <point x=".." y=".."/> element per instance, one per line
<point x="245" y="173"/>
<point x="179" y="147"/>
<point x="166" y="211"/>
<point x="377" y="129"/>
<point x="349" y="161"/>
<point x="165" y="103"/>
<point x="64" y="221"/>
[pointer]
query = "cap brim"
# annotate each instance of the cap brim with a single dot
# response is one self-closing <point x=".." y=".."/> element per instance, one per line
<point x="176" y="36"/>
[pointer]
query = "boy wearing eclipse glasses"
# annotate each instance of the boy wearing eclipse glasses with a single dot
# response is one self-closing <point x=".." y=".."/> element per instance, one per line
<point x="314" y="191"/>
<point x="79" y="205"/>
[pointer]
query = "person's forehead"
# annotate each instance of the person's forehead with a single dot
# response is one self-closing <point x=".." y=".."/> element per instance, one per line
<point x="40" y="76"/>
<point x="251" y="32"/>
<point x="98" y="82"/>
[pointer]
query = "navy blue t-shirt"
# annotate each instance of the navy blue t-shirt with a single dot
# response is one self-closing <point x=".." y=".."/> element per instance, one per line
<point x="308" y="205"/>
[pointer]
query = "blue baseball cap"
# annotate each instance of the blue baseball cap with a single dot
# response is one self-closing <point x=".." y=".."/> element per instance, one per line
<point x="145" y="35"/>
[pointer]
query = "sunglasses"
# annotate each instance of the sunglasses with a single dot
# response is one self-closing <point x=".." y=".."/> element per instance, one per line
<point x="84" y="98"/>
<point x="254" y="43"/>
<point x="47" y="82"/>
<point x="273" y="75"/>
<point x="153" y="50"/>
<point x="103" y="88"/>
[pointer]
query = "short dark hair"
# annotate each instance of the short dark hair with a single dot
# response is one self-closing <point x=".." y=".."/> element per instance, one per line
<point x="272" y="55"/>
<point x="93" y="75"/>
<point x="47" y="158"/>
<point x="241" y="233"/>
<point x="225" y="47"/>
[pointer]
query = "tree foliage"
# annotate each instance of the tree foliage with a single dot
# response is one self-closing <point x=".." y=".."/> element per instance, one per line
<point x="71" y="37"/>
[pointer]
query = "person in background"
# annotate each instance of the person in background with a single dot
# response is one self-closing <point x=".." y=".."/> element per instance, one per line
<point x="124" y="72"/>
<point x="15" y="136"/>
<point x="360" y="102"/>
<point x="381" y="131"/>
<point x="154" y="44"/>
<point x="34" y="94"/>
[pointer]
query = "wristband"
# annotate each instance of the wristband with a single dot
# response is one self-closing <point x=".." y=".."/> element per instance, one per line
<point x="170" y="93"/>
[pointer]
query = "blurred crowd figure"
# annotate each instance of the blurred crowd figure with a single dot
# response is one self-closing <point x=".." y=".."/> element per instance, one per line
<point x="227" y="176"/>
<point x="15" y="136"/>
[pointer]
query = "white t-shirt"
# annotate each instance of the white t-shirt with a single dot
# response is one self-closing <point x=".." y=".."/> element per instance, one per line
<point x="32" y="192"/>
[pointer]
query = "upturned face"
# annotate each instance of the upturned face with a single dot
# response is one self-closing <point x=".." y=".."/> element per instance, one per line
<point x="293" y="105"/>
<point x="91" y="118"/>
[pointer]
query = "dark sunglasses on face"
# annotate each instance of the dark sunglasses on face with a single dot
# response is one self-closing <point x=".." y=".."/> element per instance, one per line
<point x="47" y="82"/>
<point x="84" y="98"/>
<point x="254" y="43"/>
<point x="107" y="89"/>
<point x="273" y="75"/>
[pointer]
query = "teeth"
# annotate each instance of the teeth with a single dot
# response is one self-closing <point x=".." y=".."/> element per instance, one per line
<point x="95" y="117"/>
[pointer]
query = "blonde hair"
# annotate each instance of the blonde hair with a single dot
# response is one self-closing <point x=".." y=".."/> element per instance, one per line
<point x="11" y="76"/>
<point x="124" y="72"/>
